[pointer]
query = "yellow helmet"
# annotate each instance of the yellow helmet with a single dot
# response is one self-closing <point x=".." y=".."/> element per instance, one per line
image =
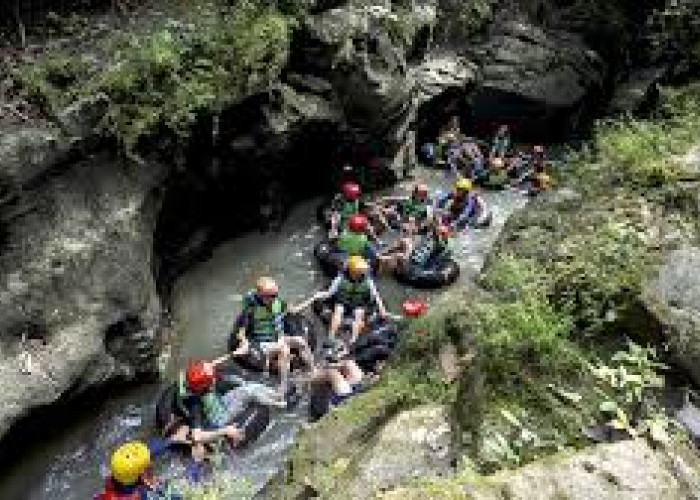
<point x="357" y="265"/>
<point x="463" y="185"/>
<point x="129" y="462"/>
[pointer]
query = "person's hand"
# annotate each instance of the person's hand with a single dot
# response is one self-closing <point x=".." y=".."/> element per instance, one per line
<point x="233" y="434"/>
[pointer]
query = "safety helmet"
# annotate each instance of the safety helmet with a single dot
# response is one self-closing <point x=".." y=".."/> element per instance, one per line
<point x="200" y="376"/>
<point x="266" y="287"/>
<point x="421" y="191"/>
<point x="357" y="265"/>
<point x="357" y="223"/>
<point x="129" y="462"/>
<point x="443" y="231"/>
<point x="463" y="185"/>
<point x="497" y="163"/>
<point x="351" y="190"/>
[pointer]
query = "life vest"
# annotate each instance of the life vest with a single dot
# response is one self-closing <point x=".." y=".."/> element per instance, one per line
<point x="414" y="208"/>
<point x="268" y="322"/>
<point x="353" y="243"/>
<point x="354" y="292"/>
<point x="215" y="410"/>
<point x="429" y="247"/>
<point x="114" y="491"/>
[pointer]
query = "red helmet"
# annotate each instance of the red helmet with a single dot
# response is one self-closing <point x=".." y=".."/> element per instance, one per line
<point x="421" y="191"/>
<point x="358" y="223"/>
<point x="200" y="376"/>
<point x="351" y="190"/>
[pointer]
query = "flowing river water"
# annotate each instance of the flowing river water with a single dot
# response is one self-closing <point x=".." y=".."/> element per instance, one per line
<point x="70" y="464"/>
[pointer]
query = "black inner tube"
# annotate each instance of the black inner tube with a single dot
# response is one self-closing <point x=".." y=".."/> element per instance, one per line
<point x="442" y="271"/>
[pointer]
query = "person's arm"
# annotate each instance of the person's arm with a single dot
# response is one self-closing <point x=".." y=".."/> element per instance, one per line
<point x="242" y="325"/>
<point x="332" y="289"/>
<point x="467" y="212"/>
<point x="376" y="297"/>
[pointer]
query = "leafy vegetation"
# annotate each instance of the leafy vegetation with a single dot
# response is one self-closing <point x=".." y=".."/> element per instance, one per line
<point x="163" y="75"/>
<point x="638" y="153"/>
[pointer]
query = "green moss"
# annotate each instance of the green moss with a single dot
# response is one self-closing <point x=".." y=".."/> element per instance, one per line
<point x="189" y="62"/>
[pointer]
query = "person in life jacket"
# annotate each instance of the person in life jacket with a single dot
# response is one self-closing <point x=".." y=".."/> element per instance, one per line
<point x="434" y="245"/>
<point x="338" y="368"/>
<point x="415" y="209"/>
<point x="535" y="175"/>
<point x="354" y="240"/>
<point x="477" y="168"/>
<point x="463" y="205"/>
<point x="131" y="477"/>
<point x="344" y="205"/>
<point x="264" y="334"/>
<point x="201" y="397"/>
<point x="501" y="142"/>
<point x="353" y="291"/>
<point x="540" y="179"/>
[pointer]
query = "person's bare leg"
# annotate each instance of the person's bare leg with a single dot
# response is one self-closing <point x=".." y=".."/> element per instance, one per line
<point x="358" y="323"/>
<point x="283" y="360"/>
<point x="336" y="320"/>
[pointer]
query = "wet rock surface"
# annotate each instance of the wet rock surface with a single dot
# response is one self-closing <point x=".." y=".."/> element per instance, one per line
<point x="78" y="299"/>
<point x="538" y="79"/>
<point x="674" y="300"/>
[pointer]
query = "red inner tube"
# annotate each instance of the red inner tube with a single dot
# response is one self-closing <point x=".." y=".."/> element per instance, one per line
<point x="414" y="307"/>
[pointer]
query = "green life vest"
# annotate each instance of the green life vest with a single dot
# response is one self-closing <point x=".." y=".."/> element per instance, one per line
<point x="353" y="243"/>
<point x="346" y="208"/>
<point x="215" y="410"/>
<point x="429" y="247"/>
<point x="354" y="292"/>
<point x="267" y="321"/>
<point x="414" y="208"/>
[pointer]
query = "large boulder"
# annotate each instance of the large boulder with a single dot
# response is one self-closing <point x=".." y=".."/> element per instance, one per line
<point x="542" y="82"/>
<point x="78" y="304"/>
<point x="627" y="470"/>
<point x="673" y="298"/>
<point x="361" y="49"/>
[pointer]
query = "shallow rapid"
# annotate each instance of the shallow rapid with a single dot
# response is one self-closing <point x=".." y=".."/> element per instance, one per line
<point x="70" y="464"/>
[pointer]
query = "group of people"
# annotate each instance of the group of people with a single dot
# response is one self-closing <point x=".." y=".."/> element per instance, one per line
<point x="209" y="401"/>
<point x="463" y="155"/>
<point x="425" y="223"/>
